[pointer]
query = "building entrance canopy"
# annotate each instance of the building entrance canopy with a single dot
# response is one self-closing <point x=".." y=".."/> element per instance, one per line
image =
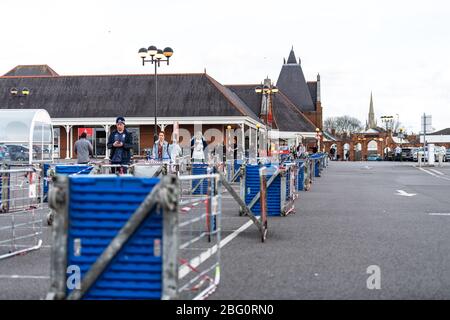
<point x="26" y="135"/>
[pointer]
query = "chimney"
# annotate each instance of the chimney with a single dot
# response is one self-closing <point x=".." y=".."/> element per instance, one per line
<point x="318" y="87"/>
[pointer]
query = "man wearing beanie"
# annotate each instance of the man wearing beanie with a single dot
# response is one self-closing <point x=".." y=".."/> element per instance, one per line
<point x="120" y="143"/>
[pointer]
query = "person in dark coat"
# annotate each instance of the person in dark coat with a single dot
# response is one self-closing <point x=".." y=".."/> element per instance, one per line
<point x="120" y="142"/>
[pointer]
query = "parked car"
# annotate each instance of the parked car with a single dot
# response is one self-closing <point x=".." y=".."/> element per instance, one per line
<point x="4" y="153"/>
<point x="407" y="153"/>
<point x="374" y="157"/>
<point x="437" y="150"/>
<point x="447" y="155"/>
<point x="17" y="152"/>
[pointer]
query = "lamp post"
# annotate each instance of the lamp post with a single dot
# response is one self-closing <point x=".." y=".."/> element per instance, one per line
<point x="401" y="135"/>
<point x="318" y="134"/>
<point x="257" y="135"/>
<point x="156" y="57"/>
<point x="267" y="90"/>
<point x="382" y="150"/>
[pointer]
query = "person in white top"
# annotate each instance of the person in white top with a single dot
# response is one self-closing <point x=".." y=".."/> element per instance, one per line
<point x="198" y="145"/>
<point x="175" y="150"/>
<point x="398" y="153"/>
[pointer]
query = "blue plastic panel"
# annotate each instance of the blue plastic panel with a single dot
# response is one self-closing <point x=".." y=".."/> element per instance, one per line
<point x="301" y="176"/>
<point x="237" y="167"/>
<point x="316" y="167"/>
<point x="198" y="169"/>
<point x="98" y="208"/>
<point x="72" y="169"/>
<point x="252" y="187"/>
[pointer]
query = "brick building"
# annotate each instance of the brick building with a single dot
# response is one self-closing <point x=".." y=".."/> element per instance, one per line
<point x="196" y="101"/>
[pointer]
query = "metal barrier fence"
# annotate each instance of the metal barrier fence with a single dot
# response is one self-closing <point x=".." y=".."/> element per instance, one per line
<point x="135" y="238"/>
<point x="199" y="237"/>
<point x="20" y="210"/>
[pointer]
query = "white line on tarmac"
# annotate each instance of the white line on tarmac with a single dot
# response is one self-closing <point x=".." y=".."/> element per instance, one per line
<point x="433" y="174"/>
<point x="195" y="262"/>
<point x="426" y="171"/>
<point x="17" y="276"/>
<point x="439" y="214"/>
<point x="438" y="172"/>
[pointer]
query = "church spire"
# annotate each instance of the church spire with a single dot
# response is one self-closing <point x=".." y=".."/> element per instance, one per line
<point x="372" y="123"/>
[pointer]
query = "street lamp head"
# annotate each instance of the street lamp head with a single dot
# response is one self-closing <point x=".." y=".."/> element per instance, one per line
<point x="159" y="54"/>
<point x="317" y="130"/>
<point x="258" y="89"/>
<point x="25" y="92"/>
<point x="152" y="50"/>
<point x="228" y="127"/>
<point x="274" y="89"/>
<point x="142" y="53"/>
<point x="258" y="126"/>
<point x="168" y="52"/>
<point x="14" y="91"/>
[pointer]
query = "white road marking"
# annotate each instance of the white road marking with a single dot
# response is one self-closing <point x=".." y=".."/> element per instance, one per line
<point x="195" y="262"/>
<point x="426" y="171"/>
<point x="17" y="276"/>
<point x="438" y="172"/>
<point x="439" y="214"/>
<point x="405" y="194"/>
<point x="434" y="175"/>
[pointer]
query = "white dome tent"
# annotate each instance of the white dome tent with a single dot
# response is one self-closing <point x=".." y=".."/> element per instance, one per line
<point x="28" y="135"/>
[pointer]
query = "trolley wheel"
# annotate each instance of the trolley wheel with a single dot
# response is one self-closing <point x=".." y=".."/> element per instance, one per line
<point x="264" y="235"/>
<point x="50" y="218"/>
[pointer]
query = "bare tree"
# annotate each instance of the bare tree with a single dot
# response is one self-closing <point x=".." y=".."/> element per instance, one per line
<point x="343" y="125"/>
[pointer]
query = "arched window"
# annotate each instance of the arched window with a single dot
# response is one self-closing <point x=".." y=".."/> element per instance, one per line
<point x="372" y="146"/>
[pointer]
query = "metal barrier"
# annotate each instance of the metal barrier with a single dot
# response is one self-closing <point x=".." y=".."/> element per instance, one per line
<point x="52" y="170"/>
<point x="20" y="210"/>
<point x="260" y="220"/>
<point x="199" y="237"/>
<point x="280" y="186"/>
<point x="135" y="238"/>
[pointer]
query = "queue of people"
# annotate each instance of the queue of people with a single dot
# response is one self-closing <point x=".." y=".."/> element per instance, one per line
<point x="120" y="143"/>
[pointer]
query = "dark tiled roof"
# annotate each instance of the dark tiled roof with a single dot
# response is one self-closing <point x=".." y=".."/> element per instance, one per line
<point x="31" y="70"/>
<point x="292" y="58"/>
<point x="443" y="132"/>
<point x="292" y="82"/>
<point x="286" y="116"/>
<point x="248" y="95"/>
<point x="312" y="86"/>
<point x="183" y="95"/>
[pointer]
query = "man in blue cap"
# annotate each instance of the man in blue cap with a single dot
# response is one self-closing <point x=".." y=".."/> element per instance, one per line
<point x="120" y="143"/>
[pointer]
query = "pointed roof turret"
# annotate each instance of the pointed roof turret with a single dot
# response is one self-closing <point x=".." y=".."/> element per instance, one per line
<point x="293" y="84"/>
<point x="292" y="58"/>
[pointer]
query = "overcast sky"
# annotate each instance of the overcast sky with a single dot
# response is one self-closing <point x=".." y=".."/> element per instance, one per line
<point x="398" y="49"/>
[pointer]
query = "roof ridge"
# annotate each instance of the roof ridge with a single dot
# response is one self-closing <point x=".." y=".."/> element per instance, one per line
<point x="106" y="75"/>
<point x="241" y="85"/>
<point x="220" y="88"/>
